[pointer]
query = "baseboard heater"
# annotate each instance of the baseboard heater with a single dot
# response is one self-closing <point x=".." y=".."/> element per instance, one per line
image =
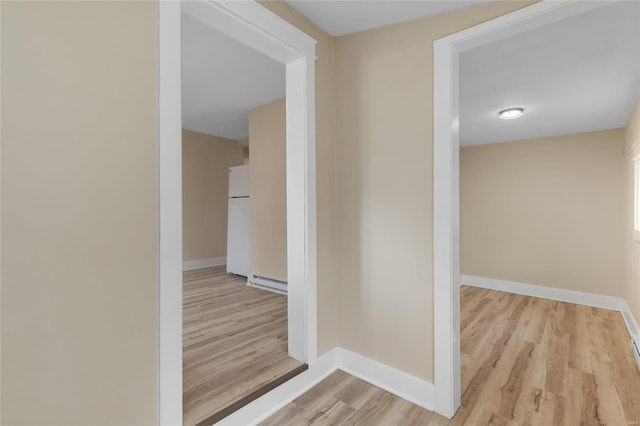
<point x="635" y="346"/>
<point x="269" y="284"/>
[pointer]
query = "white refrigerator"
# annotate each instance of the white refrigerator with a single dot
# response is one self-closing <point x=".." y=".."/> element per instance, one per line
<point x="238" y="221"/>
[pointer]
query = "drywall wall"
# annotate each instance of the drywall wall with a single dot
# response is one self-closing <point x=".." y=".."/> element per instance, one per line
<point x="205" y="188"/>
<point x="548" y="212"/>
<point x="79" y="213"/>
<point x="384" y="168"/>
<point x="325" y="172"/>
<point x="268" y="190"/>
<point x="632" y="247"/>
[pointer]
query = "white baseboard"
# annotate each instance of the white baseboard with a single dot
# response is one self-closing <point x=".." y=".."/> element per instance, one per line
<point x="417" y="391"/>
<point x="629" y="319"/>
<point x="405" y="386"/>
<point x="203" y="263"/>
<point x="273" y="401"/>
<point x="578" y="297"/>
<point x="634" y="331"/>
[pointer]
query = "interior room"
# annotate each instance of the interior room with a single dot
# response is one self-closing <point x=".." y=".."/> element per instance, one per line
<point x="441" y="265"/>
<point x="544" y="197"/>
<point x="234" y="224"/>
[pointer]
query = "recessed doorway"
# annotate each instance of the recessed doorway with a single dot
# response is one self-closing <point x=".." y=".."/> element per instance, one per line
<point x="256" y="27"/>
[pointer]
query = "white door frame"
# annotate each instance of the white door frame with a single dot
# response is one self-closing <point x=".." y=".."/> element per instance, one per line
<point x="255" y="26"/>
<point x="446" y="172"/>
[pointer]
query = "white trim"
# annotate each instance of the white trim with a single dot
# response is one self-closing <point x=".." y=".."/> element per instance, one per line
<point x="301" y="209"/>
<point x="635" y="348"/>
<point x="255" y="26"/>
<point x="273" y="401"/>
<point x="170" y="198"/>
<point x="251" y="24"/>
<point x="629" y="319"/>
<point x="446" y="256"/>
<point x="403" y="385"/>
<point x="190" y="265"/>
<point x="445" y="236"/>
<point x="634" y="331"/>
<point x="561" y="295"/>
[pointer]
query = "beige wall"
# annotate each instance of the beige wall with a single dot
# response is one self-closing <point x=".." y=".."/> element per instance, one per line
<point x="205" y="188"/>
<point x="325" y="172"/>
<point x="384" y="115"/>
<point x="632" y="249"/>
<point x="546" y="211"/>
<point x="79" y="213"/>
<point x="268" y="190"/>
<point x="87" y="250"/>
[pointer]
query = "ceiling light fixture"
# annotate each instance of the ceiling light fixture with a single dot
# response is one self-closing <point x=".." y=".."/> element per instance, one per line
<point x="510" y="113"/>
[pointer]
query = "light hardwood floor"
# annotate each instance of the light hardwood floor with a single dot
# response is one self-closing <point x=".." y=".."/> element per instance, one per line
<point x="342" y="399"/>
<point x="524" y="361"/>
<point x="234" y="343"/>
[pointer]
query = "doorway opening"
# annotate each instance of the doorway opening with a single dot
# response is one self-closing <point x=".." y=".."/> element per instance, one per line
<point x="256" y="27"/>
<point x="447" y="53"/>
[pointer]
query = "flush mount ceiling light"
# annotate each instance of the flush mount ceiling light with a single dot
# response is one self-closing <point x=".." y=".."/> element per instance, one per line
<point x="510" y="113"/>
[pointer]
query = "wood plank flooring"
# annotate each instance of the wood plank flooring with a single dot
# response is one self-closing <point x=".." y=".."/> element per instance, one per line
<point x="342" y="399"/>
<point x="234" y="344"/>
<point x="527" y="360"/>
<point x="524" y="361"/>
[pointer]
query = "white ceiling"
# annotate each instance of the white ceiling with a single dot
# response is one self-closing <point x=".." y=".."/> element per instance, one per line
<point x="577" y="75"/>
<point x="222" y="80"/>
<point x="345" y="17"/>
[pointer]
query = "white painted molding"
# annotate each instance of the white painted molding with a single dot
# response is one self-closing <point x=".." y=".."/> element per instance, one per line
<point x="635" y="347"/>
<point x="190" y="265"/>
<point x="446" y="240"/>
<point x="301" y="210"/>
<point x="403" y="385"/>
<point x="577" y="297"/>
<point x="629" y="319"/>
<point x="268" y="404"/>
<point x="253" y="25"/>
<point x="634" y="331"/>
<point x="569" y="296"/>
<point x="259" y="28"/>
<point x="170" y="205"/>
<point x="446" y="227"/>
